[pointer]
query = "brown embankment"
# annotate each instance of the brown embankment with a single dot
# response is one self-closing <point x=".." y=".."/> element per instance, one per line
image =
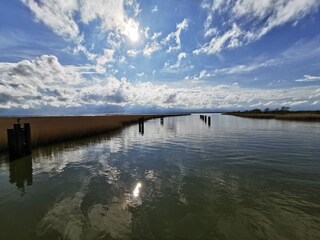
<point x="45" y="130"/>
<point x="294" y="116"/>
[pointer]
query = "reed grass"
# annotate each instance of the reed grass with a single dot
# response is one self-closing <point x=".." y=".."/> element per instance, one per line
<point x="45" y="130"/>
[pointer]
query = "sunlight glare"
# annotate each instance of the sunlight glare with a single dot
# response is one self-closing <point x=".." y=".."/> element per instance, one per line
<point x="132" y="31"/>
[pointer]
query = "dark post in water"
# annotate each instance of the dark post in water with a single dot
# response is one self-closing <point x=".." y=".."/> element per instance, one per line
<point x="161" y="120"/>
<point x="19" y="141"/>
<point x="209" y="121"/>
<point x="141" y="125"/>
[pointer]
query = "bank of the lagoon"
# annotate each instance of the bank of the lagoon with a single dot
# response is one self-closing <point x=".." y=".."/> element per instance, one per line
<point x="45" y="130"/>
<point x="293" y="116"/>
<point x="237" y="179"/>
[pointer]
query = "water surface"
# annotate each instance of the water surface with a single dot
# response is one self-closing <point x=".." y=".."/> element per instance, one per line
<point x="236" y="179"/>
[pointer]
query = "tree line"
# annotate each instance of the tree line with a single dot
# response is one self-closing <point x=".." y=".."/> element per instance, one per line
<point x="268" y="110"/>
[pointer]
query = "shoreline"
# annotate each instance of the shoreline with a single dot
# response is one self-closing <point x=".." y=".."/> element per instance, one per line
<point x="306" y="116"/>
<point x="52" y="129"/>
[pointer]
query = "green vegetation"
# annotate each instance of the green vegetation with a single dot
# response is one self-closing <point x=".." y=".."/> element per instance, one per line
<point x="282" y="113"/>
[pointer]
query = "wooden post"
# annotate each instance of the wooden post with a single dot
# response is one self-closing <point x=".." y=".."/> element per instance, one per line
<point x="19" y="141"/>
<point x="161" y="120"/>
<point x="141" y="125"/>
<point x="18" y="138"/>
<point x="27" y="138"/>
<point x="209" y="121"/>
<point x="11" y="144"/>
<point x="205" y="119"/>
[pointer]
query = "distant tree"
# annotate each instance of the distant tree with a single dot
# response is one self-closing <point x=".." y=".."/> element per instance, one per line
<point x="256" y="110"/>
<point x="267" y="110"/>
<point x="285" y="109"/>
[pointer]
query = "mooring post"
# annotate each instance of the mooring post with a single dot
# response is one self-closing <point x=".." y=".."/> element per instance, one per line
<point x="11" y="143"/>
<point x="19" y="141"/>
<point x="205" y="119"/>
<point x="141" y="125"/>
<point x="18" y="138"/>
<point x="27" y="138"/>
<point x="209" y="121"/>
<point x="161" y="120"/>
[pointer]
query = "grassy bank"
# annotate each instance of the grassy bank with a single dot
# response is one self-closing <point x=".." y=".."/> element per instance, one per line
<point x="293" y="116"/>
<point x="45" y="130"/>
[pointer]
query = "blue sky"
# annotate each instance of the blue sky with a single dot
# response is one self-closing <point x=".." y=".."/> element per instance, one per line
<point x="78" y="56"/>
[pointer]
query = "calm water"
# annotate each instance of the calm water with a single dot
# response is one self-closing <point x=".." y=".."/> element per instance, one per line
<point x="238" y="179"/>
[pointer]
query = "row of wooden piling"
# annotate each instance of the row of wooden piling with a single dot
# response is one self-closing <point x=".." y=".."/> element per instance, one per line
<point x="206" y="119"/>
<point x="141" y="124"/>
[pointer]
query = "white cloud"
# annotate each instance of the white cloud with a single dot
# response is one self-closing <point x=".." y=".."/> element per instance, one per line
<point x="154" y="9"/>
<point x="132" y="52"/>
<point x="173" y="39"/>
<point x="80" y="48"/>
<point x="242" y="68"/>
<point x="308" y="78"/>
<point x="45" y="82"/>
<point x="253" y="19"/>
<point x="154" y="45"/>
<point x="175" y="67"/>
<point x="140" y="74"/>
<point x="210" y="32"/>
<point x="228" y="40"/>
<point x="62" y="16"/>
<point x="151" y="48"/>
<point x="134" y="6"/>
<point x="56" y="14"/>
<point x="111" y="13"/>
<point x="155" y="36"/>
<point x="202" y="75"/>
<point x="42" y="81"/>
<point x="277" y="12"/>
<point x="106" y="57"/>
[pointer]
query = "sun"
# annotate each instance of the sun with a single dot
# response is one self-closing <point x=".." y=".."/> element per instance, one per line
<point x="132" y="31"/>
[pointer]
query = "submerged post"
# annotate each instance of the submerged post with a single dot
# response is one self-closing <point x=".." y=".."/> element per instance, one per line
<point x="161" y="120"/>
<point x="205" y="119"/>
<point x="19" y="141"/>
<point x="209" y="121"/>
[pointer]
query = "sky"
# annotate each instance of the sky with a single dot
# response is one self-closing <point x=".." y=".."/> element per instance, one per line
<point x="125" y="56"/>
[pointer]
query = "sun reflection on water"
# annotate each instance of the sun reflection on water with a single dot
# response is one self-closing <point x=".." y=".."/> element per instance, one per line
<point x="136" y="191"/>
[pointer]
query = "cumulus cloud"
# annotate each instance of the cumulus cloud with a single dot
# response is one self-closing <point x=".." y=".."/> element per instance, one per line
<point x="45" y="82"/>
<point x="106" y="57"/>
<point x="42" y="81"/>
<point x="249" y="20"/>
